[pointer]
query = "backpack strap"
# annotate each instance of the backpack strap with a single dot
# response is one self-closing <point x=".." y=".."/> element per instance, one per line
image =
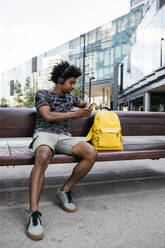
<point x="89" y="135"/>
<point x="106" y="108"/>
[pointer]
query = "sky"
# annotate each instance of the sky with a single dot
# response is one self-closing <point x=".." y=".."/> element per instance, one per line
<point x="31" y="27"/>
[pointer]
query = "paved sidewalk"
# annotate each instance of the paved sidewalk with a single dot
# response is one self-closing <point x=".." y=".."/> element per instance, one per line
<point x="114" y="208"/>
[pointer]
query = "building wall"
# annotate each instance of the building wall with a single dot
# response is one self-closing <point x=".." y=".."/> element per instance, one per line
<point x="144" y="67"/>
<point x="136" y="3"/>
<point x="104" y="47"/>
<point x="149" y="49"/>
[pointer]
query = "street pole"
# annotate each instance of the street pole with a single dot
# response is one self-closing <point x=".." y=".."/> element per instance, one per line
<point x="162" y="39"/>
<point x="115" y="87"/>
<point x="121" y="78"/>
<point x="83" y="69"/>
<point x="90" y="80"/>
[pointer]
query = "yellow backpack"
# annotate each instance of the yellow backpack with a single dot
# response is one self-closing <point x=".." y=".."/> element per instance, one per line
<point x="105" y="133"/>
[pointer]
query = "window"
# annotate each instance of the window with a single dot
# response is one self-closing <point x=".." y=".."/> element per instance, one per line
<point x="113" y="28"/>
<point x="11" y="87"/>
<point x="106" y="58"/>
<point x="100" y="73"/>
<point x="125" y="49"/>
<point x="92" y="37"/>
<point x="106" y="73"/>
<point x="112" y="56"/>
<point x="129" y="63"/>
<point x="34" y="64"/>
<point x="118" y="51"/>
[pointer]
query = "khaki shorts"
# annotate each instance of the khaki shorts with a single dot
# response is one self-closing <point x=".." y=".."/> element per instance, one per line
<point x="59" y="143"/>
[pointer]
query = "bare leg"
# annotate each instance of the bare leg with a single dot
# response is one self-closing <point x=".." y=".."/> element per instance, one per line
<point x="42" y="158"/>
<point x="88" y="154"/>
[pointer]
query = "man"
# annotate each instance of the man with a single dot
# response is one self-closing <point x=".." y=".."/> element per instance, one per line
<point x="51" y="134"/>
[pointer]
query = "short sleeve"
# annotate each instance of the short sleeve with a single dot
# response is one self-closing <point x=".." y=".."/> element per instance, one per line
<point x="75" y="101"/>
<point x="41" y="99"/>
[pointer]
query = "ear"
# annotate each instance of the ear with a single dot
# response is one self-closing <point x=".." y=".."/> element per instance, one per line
<point x="60" y="80"/>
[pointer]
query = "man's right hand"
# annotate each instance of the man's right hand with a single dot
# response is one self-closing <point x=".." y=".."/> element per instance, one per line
<point x="50" y="116"/>
<point x="82" y="112"/>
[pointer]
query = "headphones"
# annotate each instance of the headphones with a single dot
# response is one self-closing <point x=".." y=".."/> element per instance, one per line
<point x="60" y="80"/>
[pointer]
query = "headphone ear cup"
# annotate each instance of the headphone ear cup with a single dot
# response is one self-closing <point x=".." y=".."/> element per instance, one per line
<point x="60" y="80"/>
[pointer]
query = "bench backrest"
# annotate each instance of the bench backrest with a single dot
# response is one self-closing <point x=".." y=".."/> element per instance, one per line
<point x="19" y="122"/>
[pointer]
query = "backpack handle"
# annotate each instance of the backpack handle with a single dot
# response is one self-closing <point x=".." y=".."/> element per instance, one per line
<point x="106" y="108"/>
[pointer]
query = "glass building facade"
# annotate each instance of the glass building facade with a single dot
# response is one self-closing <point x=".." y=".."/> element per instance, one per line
<point x="96" y="52"/>
<point x="146" y="57"/>
<point x="137" y="3"/>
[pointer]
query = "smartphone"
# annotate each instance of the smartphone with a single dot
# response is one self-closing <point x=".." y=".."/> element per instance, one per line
<point x="91" y="107"/>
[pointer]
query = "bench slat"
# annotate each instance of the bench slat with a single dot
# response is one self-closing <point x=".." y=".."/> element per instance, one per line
<point x="102" y="156"/>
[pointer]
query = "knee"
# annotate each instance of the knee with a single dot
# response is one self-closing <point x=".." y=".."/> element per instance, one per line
<point x="43" y="157"/>
<point x="89" y="152"/>
<point x="85" y="150"/>
<point x="92" y="154"/>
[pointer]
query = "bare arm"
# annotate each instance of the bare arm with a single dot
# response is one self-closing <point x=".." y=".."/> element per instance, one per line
<point x="83" y="104"/>
<point x="50" y="116"/>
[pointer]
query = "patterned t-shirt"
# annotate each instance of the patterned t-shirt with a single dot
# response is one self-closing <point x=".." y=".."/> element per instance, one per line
<point x="58" y="103"/>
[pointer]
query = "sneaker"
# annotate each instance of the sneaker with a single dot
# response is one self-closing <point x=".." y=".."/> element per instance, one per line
<point x="34" y="227"/>
<point x="65" y="200"/>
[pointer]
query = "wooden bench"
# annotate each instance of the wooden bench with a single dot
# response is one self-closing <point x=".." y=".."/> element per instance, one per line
<point x="143" y="136"/>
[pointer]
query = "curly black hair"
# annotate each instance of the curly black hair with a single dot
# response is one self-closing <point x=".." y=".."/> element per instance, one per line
<point x="62" y="71"/>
